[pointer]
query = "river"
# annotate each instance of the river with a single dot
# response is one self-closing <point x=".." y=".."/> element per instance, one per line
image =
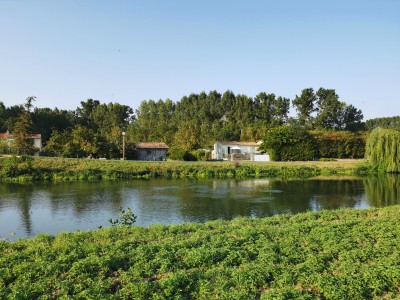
<point x="29" y="209"/>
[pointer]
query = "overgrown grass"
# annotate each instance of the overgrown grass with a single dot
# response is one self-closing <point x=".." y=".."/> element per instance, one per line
<point x="59" y="169"/>
<point x="342" y="254"/>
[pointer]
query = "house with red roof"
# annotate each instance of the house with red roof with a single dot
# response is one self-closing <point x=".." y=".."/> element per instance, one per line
<point x="9" y="138"/>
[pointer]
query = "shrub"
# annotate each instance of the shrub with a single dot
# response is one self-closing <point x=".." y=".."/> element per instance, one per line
<point x="176" y="153"/>
<point x="181" y="154"/>
<point x="339" y="144"/>
<point x="201" y="155"/>
<point x="287" y="143"/>
<point x="127" y="218"/>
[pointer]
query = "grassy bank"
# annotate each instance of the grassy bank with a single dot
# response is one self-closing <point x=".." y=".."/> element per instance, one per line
<point x="59" y="169"/>
<point x="342" y="254"/>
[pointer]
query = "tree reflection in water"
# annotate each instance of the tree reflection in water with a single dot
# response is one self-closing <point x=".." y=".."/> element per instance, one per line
<point x="29" y="209"/>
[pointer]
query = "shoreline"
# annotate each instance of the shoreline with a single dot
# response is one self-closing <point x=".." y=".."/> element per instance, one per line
<point x="31" y="169"/>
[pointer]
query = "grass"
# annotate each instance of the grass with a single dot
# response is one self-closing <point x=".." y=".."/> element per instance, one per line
<point x="59" y="169"/>
<point x="341" y="254"/>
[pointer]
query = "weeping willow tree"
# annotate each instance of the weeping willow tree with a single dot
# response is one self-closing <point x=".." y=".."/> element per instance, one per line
<point x="383" y="149"/>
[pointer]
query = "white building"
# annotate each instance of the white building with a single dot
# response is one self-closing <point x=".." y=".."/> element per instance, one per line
<point x="35" y="138"/>
<point x="238" y="151"/>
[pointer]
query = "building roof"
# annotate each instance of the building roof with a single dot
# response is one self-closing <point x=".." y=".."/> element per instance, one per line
<point x="254" y="144"/>
<point x="7" y="135"/>
<point x="150" y="145"/>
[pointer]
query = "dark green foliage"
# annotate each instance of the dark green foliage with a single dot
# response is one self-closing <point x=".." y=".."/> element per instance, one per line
<point x="201" y="155"/>
<point x="17" y="167"/>
<point x="197" y="121"/>
<point x="180" y="154"/>
<point x="323" y="110"/>
<point x="342" y="254"/>
<point x="45" y="121"/>
<point x="340" y="144"/>
<point x="383" y="149"/>
<point x="305" y="105"/>
<point x="334" y="114"/>
<point x="386" y="123"/>
<point x="185" y="155"/>
<point x="9" y="116"/>
<point x="287" y="143"/>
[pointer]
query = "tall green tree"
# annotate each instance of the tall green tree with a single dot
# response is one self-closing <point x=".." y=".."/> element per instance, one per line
<point x="3" y="117"/>
<point x="281" y="111"/>
<point x="352" y="119"/>
<point x="81" y="143"/>
<point x="335" y="114"/>
<point x="11" y="116"/>
<point x="46" y="120"/>
<point x="329" y="109"/>
<point x="56" y="145"/>
<point x="305" y="105"/>
<point x="264" y="108"/>
<point x="22" y="129"/>
<point x="84" y="112"/>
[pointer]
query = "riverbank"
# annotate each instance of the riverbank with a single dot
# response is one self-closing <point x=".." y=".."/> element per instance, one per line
<point x="341" y="254"/>
<point x="61" y="169"/>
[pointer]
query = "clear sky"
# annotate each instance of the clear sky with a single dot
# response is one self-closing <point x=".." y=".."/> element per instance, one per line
<point x="67" y="51"/>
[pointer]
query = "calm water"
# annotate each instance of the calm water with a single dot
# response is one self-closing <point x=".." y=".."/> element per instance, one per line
<point x="26" y="210"/>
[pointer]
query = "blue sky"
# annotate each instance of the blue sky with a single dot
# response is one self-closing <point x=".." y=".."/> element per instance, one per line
<point x="66" y="51"/>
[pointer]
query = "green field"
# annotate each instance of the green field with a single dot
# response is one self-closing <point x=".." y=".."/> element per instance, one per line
<point x="342" y="254"/>
<point x="60" y="169"/>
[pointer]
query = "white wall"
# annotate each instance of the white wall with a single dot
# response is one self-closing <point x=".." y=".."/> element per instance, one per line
<point x="261" y="157"/>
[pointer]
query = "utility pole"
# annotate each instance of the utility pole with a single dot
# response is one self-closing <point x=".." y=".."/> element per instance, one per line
<point x="123" y="145"/>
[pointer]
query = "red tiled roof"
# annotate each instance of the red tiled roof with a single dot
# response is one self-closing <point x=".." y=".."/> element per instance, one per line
<point x="10" y="135"/>
<point x="150" y="146"/>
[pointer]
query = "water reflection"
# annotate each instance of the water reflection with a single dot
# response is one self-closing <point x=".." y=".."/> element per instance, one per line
<point x="382" y="190"/>
<point x="50" y="208"/>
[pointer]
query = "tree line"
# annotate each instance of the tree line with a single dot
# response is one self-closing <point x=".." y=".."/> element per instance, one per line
<point x="197" y="121"/>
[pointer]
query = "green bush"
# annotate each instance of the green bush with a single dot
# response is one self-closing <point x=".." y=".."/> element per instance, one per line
<point x="201" y="155"/>
<point x="340" y="144"/>
<point x="287" y="143"/>
<point x="181" y="154"/>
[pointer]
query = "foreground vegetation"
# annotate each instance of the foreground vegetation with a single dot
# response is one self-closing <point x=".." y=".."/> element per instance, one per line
<point x="342" y="254"/>
<point x="58" y="169"/>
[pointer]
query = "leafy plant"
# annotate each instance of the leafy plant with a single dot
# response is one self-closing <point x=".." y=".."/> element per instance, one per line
<point x="287" y="143"/>
<point x="127" y="218"/>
